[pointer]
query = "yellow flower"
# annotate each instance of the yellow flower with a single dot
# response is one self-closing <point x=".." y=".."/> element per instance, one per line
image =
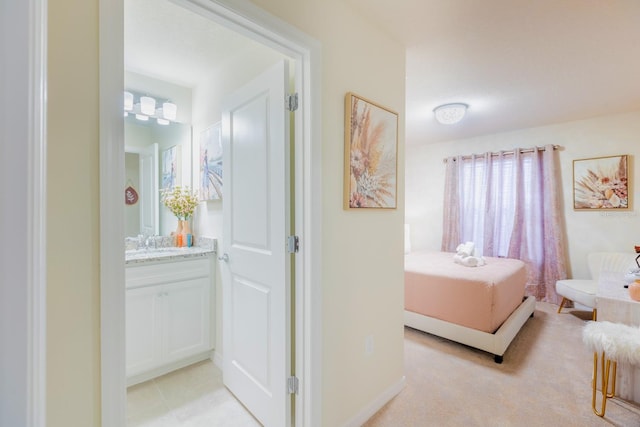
<point x="181" y="201"/>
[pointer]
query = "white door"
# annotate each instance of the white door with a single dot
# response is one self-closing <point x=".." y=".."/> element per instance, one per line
<point x="256" y="276"/>
<point x="149" y="190"/>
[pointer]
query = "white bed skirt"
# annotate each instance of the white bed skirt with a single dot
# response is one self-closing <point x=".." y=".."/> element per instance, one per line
<point x="495" y="343"/>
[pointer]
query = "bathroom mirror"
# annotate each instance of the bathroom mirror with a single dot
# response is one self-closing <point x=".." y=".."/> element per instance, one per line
<point x="155" y="156"/>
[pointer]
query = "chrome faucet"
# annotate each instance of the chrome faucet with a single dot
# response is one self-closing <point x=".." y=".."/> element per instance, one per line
<point x="141" y="241"/>
<point x="151" y="240"/>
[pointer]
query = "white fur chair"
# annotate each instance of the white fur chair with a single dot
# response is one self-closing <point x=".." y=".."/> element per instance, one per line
<point x="612" y="343"/>
<point x="583" y="291"/>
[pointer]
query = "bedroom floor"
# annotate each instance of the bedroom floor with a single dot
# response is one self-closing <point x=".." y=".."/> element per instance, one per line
<point x="545" y="380"/>
<point x="189" y="397"/>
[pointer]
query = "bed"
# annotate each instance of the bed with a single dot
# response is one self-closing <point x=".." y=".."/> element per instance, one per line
<point x="482" y="307"/>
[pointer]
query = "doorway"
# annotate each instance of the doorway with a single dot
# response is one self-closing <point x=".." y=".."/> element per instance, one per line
<point x="307" y="162"/>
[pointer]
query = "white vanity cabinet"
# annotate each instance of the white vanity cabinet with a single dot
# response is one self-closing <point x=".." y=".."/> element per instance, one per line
<point x="168" y="315"/>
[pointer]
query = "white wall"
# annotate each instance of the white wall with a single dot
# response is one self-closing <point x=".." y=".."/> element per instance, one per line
<point x="586" y="231"/>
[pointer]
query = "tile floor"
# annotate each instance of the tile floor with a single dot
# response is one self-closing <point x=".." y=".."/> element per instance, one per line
<point x="189" y="397"/>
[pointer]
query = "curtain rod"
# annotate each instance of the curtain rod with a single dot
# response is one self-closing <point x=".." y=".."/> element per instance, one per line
<point x="509" y="153"/>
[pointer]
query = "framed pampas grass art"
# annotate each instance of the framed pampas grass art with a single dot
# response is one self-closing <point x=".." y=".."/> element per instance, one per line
<point x="370" y="154"/>
<point x="601" y="183"/>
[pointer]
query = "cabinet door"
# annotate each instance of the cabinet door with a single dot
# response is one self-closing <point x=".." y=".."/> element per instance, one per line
<point x="143" y="309"/>
<point x="186" y="318"/>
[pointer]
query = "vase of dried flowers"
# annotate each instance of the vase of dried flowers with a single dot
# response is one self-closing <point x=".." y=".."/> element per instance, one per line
<point x="182" y="202"/>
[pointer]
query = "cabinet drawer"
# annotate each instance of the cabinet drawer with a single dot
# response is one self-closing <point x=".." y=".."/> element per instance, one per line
<point x="166" y="272"/>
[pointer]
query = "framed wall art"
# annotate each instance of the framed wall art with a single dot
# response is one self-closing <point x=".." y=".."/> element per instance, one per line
<point x="170" y="167"/>
<point x="601" y="183"/>
<point x="211" y="163"/>
<point x="370" y="154"/>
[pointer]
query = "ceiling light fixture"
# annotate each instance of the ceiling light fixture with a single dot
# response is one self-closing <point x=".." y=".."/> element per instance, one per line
<point x="449" y="114"/>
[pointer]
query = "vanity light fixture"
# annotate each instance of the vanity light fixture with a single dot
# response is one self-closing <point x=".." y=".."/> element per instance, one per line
<point x="128" y="101"/>
<point x="449" y="114"/>
<point x="147" y="105"/>
<point x="145" y="108"/>
<point x="169" y="110"/>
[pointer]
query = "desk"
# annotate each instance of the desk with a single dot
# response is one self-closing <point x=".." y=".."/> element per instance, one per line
<point x="615" y="305"/>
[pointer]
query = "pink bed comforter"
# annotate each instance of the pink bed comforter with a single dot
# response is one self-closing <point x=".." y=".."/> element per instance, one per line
<point x="476" y="297"/>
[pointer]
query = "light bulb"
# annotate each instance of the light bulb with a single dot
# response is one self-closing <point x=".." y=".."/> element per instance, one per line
<point x="142" y="117"/>
<point x="147" y="105"/>
<point x="128" y="101"/>
<point x="169" y="110"/>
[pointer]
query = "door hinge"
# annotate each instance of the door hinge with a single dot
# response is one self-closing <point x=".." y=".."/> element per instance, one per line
<point x="292" y="385"/>
<point x="292" y="102"/>
<point x="293" y="244"/>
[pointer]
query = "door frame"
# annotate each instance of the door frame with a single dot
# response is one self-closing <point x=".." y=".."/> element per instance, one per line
<point x="255" y="23"/>
<point x="23" y="297"/>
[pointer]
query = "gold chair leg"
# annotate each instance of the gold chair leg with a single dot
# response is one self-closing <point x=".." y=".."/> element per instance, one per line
<point x="594" y="314"/>
<point x="613" y="380"/>
<point x="562" y="304"/>
<point x="605" y="372"/>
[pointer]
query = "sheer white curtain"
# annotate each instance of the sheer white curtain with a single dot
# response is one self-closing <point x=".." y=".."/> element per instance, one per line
<point x="508" y="204"/>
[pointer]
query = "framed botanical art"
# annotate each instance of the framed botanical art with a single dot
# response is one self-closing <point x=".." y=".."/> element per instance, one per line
<point x="601" y="183"/>
<point x="370" y="154"/>
<point x="211" y="163"/>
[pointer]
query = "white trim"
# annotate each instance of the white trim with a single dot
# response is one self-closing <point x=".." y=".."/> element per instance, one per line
<point x="254" y="22"/>
<point x="216" y="358"/>
<point x="112" y="317"/>
<point x="170" y="367"/>
<point x="23" y="48"/>
<point x="370" y="410"/>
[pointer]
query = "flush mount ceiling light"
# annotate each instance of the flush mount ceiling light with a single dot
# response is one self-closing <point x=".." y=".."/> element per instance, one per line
<point x="449" y="114"/>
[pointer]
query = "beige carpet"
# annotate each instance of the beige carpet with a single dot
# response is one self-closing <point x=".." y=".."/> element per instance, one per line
<point x="545" y="380"/>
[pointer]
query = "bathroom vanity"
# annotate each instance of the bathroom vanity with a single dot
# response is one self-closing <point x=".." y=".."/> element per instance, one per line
<point x="169" y="309"/>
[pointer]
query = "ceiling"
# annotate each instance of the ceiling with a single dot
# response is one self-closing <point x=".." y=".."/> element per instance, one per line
<point x="516" y="63"/>
<point x="168" y="42"/>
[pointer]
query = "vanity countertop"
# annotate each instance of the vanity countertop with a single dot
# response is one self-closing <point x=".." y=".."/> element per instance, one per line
<point x="164" y="254"/>
<point x="206" y="247"/>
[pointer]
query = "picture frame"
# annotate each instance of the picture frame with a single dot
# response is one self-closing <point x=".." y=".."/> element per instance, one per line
<point x="370" y="154"/>
<point x="601" y="183"/>
<point x="211" y="163"/>
<point x="170" y="168"/>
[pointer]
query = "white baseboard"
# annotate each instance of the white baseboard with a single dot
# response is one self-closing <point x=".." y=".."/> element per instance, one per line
<point x="165" y="369"/>
<point x="216" y="358"/>
<point x="377" y="404"/>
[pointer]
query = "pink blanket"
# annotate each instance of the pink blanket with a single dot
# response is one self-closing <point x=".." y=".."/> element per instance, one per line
<point x="476" y="297"/>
